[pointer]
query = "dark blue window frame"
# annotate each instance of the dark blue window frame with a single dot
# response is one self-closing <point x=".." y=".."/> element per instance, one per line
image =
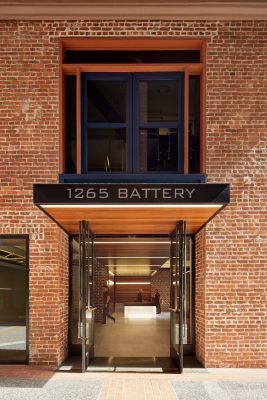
<point x="132" y="173"/>
<point x="127" y="125"/>
<point x="132" y="124"/>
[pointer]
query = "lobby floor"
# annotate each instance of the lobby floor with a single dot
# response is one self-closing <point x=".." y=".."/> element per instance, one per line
<point x="133" y="337"/>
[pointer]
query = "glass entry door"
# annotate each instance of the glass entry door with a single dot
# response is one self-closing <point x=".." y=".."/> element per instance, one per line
<point x="177" y="265"/>
<point x="86" y="303"/>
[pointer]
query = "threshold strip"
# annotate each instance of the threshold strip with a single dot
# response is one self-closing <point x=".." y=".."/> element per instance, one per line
<point x="123" y="369"/>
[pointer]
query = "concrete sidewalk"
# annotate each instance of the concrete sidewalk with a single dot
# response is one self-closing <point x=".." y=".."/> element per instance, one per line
<point x="35" y="383"/>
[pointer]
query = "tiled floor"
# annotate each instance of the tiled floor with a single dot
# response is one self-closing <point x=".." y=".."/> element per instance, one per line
<point x="133" y="337"/>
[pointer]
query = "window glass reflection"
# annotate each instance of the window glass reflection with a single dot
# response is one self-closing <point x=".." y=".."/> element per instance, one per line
<point x="158" y="149"/>
<point x="106" y="101"/>
<point x="106" y="149"/>
<point x="158" y="101"/>
<point x="13" y="284"/>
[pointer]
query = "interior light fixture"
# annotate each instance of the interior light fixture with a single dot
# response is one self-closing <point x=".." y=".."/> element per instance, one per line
<point x="111" y="273"/>
<point x="134" y="270"/>
<point x="132" y="266"/>
<point x="133" y="283"/>
<point x="126" y="258"/>
<point x="107" y="206"/>
<point x="139" y="242"/>
<point x="153" y="273"/>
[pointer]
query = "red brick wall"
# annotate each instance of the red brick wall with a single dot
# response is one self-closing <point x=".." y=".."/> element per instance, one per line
<point x="128" y="293"/>
<point x="100" y="278"/>
<point x="161" y="281"/>
<point x="233" y="302"/>
<point x="200" y="267"/>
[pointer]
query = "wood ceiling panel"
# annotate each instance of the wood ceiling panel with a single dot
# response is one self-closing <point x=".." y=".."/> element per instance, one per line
<point x="133" y="220"/>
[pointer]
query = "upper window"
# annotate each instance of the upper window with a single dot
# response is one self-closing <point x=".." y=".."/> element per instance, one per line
<point x="132" y="123"/>
<point x="132" y="113"/>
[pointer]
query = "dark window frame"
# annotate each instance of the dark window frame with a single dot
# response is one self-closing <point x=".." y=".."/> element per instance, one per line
<point x="27" y="243"/>
<point x="108" y="77"/>
<point x="132" y="124"/>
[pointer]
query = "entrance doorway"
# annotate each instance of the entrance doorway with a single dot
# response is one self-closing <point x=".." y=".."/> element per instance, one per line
<point x="146" y="334"/>
<point x="131" y="209"/>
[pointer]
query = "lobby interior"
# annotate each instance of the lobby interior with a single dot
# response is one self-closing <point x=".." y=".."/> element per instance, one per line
<point x="128" y="264"/>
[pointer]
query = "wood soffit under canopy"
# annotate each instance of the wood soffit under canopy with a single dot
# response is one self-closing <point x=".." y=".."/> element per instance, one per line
<point x="131" y="221"/>
<point x="134" y="9"/>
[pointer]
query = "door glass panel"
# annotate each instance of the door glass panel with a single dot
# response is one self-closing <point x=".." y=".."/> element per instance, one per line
<point x="106" y="101"/>
<point x="177" y="293"/>
<point x="13" y="299"/>
<point x="158" y="101"/>
<point x="82" y="302"/>
<point x="158" y="149"/>
<point x="188" y="301"/>
<point x="174" y="298"/>
<point x="86" y="309"/>
<point x="106" y="149"/>
<point x="75" y="341"/>
<point x="90" y="309"/>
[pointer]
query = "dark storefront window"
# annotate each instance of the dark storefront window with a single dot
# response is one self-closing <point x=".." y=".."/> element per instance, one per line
<point x="13" y="299"/>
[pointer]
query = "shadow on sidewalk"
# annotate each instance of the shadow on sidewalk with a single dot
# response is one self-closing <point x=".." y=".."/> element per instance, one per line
<point x="25" y="376"/>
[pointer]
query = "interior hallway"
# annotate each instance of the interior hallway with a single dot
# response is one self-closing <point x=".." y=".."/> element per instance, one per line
<point x="133" y="337"/>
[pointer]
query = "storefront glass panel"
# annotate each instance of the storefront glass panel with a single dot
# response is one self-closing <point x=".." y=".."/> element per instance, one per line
<point x="13" y="299"/>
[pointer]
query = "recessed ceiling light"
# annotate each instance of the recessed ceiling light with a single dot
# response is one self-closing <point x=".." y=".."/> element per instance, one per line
<point x="139" y="242"/>
<point x="133" y="283"/>
<point x="126" y="258"/>
<point x="132" y="266"/>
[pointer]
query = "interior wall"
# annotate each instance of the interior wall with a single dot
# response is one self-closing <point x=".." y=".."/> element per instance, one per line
<point x="161" y="281"/>
<point x="101" y="277"/>
<point x="128" y="293"/>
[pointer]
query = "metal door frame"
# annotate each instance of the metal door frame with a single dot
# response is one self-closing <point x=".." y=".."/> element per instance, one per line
<point x="86" y="261"/>
<point x="177" y="251"/>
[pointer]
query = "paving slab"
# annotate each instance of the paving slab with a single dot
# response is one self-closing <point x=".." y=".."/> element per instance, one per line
<point x="35" y="383"/>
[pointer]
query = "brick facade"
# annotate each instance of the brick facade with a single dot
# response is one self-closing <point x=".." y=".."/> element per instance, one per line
<point x="200" y="295"/>
<point x="101" y="278"/>
<point x="231" y="320"/>
<point x="161" y="281"/>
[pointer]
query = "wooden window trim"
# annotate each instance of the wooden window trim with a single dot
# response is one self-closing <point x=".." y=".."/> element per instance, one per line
<point x="138" y="44"/>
